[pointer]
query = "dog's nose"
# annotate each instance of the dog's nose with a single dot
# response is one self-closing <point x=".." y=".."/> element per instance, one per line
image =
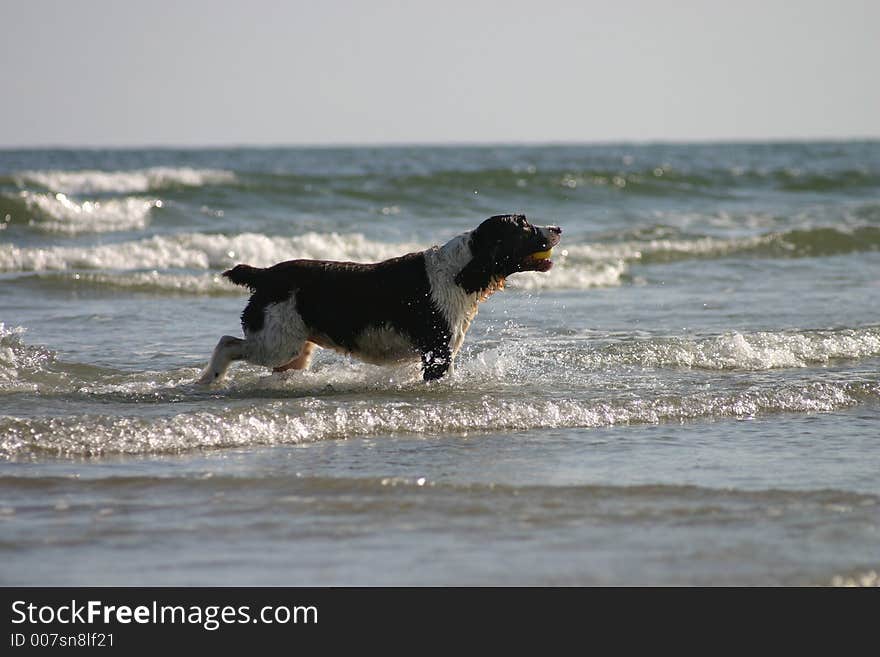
<point x="555" y="229"/>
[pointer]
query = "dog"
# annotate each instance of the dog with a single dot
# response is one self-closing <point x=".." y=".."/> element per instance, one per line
<point x="415" y="307"/>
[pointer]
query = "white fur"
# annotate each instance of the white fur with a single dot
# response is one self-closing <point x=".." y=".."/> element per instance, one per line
<point x="443" y="263"/>
<point x="284" y="335"/>
<point x="281" y="338"/>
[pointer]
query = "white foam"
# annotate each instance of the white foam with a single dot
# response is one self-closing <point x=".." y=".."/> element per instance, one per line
<point x="570" y="275"/>
<point x="308" y="419"/>
<point x="200" y="251"/>
<point x="869" y="578"/>
<point x="489" y="392"/>
<point x="214" y="251"/>
<point x="779" y="350"/>
<point x="577" y="266"/>
<point x="156" y="281"/>
<point x="634" y="250"/>
<point x="17" y="359"/>
<point x="756" y="351"/>
<point x="88" y="181"/>
<point x="62" y="214"/>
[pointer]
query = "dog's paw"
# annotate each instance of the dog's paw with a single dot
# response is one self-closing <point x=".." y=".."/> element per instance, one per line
<point x="208" y="377"/>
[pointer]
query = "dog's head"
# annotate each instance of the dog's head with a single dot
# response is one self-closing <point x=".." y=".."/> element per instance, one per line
<point x="503" y="245"/>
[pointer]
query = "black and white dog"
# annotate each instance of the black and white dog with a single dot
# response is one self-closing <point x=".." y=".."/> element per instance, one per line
<point x="415" y="307"/>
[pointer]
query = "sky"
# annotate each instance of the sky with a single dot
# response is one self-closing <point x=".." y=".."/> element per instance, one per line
<point x="193" y="73"/>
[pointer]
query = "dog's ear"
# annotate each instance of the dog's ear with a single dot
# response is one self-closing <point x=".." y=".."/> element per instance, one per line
<point x="479" y="272"/>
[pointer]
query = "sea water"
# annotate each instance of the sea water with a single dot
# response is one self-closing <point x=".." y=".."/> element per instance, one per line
<point x="690" y="396"/>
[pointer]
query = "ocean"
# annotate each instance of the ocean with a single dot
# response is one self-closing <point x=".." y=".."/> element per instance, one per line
<point x="689" y="397"/>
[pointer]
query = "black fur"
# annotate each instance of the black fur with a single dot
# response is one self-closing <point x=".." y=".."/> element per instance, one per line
<point x="501" y="246"/>
<point x="339" y="301"/>
<point x="342" y="299"/>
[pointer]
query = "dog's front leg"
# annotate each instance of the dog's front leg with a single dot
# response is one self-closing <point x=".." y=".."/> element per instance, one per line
<point x="435" y="363"/>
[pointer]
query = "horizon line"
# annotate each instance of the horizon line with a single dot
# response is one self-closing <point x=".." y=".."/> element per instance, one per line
<point x="442" y="144"/>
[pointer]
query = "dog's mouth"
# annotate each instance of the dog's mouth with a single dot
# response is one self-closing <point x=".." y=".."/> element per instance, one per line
<point x="549" y="236"/>
<point x="538" y="261"/>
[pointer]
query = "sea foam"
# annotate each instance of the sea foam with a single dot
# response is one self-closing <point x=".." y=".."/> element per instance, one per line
<point x="213" y="251"/>
<point x="762" y="350"/>
<point x="58" y="213"/>
<point x="200" y="251"/>
<point x="493" y="389"/>
<point x="19" y="362"/>
<point x="313" y="419"/>
<point x="89" y="181"/>
<point x="577" y="265"/>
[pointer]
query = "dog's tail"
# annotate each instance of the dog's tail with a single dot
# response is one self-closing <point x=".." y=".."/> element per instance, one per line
<point x="246" y="276"/>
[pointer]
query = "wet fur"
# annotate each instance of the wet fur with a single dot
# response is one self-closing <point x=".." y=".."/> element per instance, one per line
<point x="417" y="307"/>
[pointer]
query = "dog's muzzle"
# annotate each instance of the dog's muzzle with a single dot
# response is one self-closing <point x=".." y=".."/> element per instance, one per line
<point x="540" y="260"/>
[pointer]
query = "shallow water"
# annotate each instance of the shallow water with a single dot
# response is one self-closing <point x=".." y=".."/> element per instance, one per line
<point x="689" y="397"/>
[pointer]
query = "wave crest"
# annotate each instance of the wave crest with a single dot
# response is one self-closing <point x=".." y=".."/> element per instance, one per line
<point x="796" y="243"/>
<point x="90" y="181"/>
<point x="753" y="351"/>
<point x="19" y="363"/>
<point x="311" y="419"/>
<point x="58" y="213"/>
<point x="578" y="266"/>
<point x="201" y="251"/>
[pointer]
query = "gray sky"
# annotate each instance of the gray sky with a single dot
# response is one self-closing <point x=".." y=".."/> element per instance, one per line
<point x="331" y="71"/>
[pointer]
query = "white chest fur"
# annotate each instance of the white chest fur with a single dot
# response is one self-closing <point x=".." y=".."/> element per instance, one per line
<point x="443" y="263"/>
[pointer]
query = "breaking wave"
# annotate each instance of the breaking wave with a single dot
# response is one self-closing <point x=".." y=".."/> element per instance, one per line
<point x="493" y="389"/>
<point x="313" y="419"/>
<point x="200" y="251"/>
<point x="761" y="350"/>
<point x="17" y="359"/>
<point x="91" y="181"/>
<point x="510" y="364"/>
<point x="214" y="252"/>
<point x="153" y="281"/>
<point x="578" y="266"/>
<point x="58" y="213"/>
<point x="797" y="243"/>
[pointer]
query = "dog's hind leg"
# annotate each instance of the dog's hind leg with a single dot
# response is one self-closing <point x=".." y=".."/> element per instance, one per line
<point x="301" y="362"/>
<point x="227" y="350"/>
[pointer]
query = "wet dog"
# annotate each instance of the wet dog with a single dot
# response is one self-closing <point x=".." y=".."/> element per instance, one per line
<point x="415" y="307"/>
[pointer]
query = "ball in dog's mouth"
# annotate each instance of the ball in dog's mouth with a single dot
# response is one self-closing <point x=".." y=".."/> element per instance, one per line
<point x="538" y="261"/>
